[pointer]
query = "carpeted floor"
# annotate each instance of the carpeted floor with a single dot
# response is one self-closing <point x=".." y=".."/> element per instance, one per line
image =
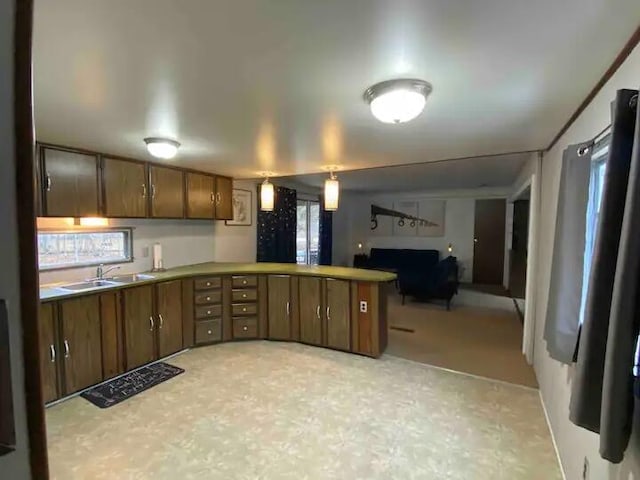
<point x="476" y="340"/>
<point x="278" y="411"/>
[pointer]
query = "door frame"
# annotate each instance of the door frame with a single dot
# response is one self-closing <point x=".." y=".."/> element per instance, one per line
<point x="532" y="182"/>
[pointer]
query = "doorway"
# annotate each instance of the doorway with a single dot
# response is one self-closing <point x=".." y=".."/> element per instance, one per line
<point x="488" y="241"/>
<point x="519" y="246"/>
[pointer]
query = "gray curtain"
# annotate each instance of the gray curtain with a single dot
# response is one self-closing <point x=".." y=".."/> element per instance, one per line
<point x="602" y="391"/>
<point x="565" y="290"/>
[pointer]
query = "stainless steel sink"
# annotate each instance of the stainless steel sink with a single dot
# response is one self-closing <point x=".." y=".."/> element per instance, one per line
<point x="133" y="277"/>
<point x="90" y="285"/>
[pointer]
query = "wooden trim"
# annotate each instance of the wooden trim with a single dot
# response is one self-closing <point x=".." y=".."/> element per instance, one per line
<point x="29" y="293"/>
<point x="188" y="314"/>
<point x="613" y="68"/>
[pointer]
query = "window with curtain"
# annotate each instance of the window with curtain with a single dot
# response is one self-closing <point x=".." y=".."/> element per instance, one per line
<point x="308" y="232"/>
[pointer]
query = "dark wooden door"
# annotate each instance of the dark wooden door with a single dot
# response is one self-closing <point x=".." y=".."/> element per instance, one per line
<point x="140" y="326"/>
<point x="81" y="342"/>
<point x="70" y="184"/>
<point x="125" y="188"/>
<point x="49" y="352"/>
<point x="201" y="195"/>
<point x="488" y="250"/>
<point x="310" y="310"/>
<point x="519" y="239"/>
<point x="338" y="314"/>
<point x="224" y="198"/>
<point x="167" y="192"/>
<point x="169" y="316"/>
<point x="279" y="307"/>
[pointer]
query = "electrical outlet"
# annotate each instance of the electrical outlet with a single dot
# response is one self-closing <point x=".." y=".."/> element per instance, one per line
<point x="145" y="252"/>
<point x="585" y="469"/>
<point x="363" y="307"/>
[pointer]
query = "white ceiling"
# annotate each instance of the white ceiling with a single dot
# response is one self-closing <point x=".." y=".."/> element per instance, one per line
<point x="251" y="85"/>
<point x="461" y="174"/>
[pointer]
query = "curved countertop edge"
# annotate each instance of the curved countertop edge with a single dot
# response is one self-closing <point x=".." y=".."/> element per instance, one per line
<point x="52" y="292"/>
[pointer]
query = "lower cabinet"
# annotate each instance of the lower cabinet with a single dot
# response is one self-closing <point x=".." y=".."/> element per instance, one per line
<point x="48" y="352"/>
<point x="338" y="314"/>
<point x="311" y="310"/>
<point x="279" y="307"/>
<point x="169" y="315"/>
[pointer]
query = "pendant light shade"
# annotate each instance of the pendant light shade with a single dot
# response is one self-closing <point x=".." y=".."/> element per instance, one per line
<point x="331" y="193"/>
<point x="397" y="101"/>
<point x="267" y="196"/>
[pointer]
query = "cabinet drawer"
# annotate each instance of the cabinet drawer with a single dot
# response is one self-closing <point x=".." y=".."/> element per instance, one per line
<point x="209" y="311"/>
<point x="208" y="296"/>
<point x="207" y="283"/>
<point x="247" y="295"/>
<point x="241" y="309"/>
<point x="208" y="331"/>
<point x="245" y="327"/>
<point x="244" y="281"/>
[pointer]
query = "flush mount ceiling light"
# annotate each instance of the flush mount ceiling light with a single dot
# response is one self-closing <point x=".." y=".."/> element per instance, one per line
<point x="398" y="101"/>
<point x="267" y="194"/>
<point x="162" y="147"/>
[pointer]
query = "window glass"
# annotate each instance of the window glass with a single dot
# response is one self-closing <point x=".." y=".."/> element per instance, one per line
<point x="314" y="233"/>
<point x="83" y="248"/>
<point x="308" y="232"/>
<point x="301" y="233"/>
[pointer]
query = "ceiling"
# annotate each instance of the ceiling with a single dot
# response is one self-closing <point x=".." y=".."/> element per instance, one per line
<point x="461" y="174"/>
<point x="277" y="85"/>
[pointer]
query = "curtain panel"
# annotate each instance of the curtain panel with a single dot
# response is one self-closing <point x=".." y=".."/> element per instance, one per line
<point x="602" y="388"/>
<point x="326" y="234"/>
<point x="276" y="235"/>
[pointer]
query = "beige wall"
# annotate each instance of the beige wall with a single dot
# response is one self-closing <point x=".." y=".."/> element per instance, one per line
<point x="574" y="444"/>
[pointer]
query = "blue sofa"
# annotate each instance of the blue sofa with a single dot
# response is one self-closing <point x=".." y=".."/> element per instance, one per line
<point x="421" y="273"/>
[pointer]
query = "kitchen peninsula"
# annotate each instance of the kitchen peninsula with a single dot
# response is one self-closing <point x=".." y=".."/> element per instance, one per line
<point x="93" y="331"/>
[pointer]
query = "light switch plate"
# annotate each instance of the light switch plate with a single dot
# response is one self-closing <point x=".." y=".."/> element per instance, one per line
<point x="145" y="252"/>
<point x="363" y="306"/>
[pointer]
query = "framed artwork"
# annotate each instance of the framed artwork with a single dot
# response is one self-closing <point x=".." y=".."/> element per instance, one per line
<point x="242" y="208"/>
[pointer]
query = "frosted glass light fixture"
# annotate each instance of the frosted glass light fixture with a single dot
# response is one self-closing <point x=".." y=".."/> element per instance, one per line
<point x="267" y="196"/>
<point x="331" y="193"/>
<point x="397" y="101"/>
<point x="163" y="148"/>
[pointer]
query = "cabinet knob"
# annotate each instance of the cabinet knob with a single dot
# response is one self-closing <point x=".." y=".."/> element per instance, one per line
<point x="245" y="328"/>
<point x="244" y="309"/>
<point x="244" y="295"/>
<point x="244" y="282"/>
<point x="209" y="332"/>
<point x="208" y="312"/>
<point x="208" y="284"/>
<point x="208" y="298"/>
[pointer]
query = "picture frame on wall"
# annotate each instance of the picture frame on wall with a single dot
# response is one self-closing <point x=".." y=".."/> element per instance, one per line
<point x="242" y="208"/>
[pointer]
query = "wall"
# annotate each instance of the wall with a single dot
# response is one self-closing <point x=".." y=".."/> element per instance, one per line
<point x="459" y="223"/>
<point x="574" y="443"/>
<point x="183" y="242"/>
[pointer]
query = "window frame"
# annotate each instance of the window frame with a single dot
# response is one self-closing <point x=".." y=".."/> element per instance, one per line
<point x="128" y="244"/>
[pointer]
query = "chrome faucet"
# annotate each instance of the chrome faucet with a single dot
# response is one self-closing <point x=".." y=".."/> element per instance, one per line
<point x="100" y="272"/>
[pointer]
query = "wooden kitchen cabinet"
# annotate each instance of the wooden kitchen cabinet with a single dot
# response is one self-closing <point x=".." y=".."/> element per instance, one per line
<point x="201" y="195"/>
<point x="279" y="307"/>
<point x="167" y="192"/>
<point x="224" y="198"/>
<point x="311" y="311"/>
<point x="81" y="342"/>
<point x="169" y="315"/>
<point x="125" y="188"/>
<point x="338" y="314"/>
<point x="70" y="183"/>
<point x="139" y="324"/>
<point x="49" y="354"/>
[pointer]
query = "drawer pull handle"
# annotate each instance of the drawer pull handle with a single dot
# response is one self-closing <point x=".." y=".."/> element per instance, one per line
<point x="48" y="182"/>
<point x="245" y="328"/>
<point x="328" y="312"/>
<point x="52" y="353"/>
<point x="67" y="352"/>
<point x="288" y="308"/>
<point x="212" y="197"/>
<point x="318" y="312"/>
<point x="161" y="320"/>
<point x="151" y="324"/>
<point x="144" y="191"/>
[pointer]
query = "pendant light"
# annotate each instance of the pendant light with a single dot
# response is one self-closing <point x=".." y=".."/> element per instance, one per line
<point x="331" y="192"/>
<point x="162" y="147"/>
<point x="398" y="101"/>
<point x="267" y="195"/>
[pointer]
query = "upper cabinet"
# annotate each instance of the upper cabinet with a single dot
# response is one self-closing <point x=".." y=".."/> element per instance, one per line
<point x="167" y="192"/>
<point x="201" y="195"/>
<point x="224" y="200"/>
<point x="70" y="183"/>
<point x="125" y="188"/>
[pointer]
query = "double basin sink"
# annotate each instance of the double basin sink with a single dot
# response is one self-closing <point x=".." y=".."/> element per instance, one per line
<point x="106" y="282"/>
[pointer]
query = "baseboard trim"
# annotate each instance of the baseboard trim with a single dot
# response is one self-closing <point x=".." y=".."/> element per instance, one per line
<point x="553" y="438"/>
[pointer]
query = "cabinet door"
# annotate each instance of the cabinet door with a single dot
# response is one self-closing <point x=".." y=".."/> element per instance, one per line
<point x="169" y="317"/>
<point x="81" y="342"/>
<point x="310" y="310"/>
<point x="167" y="193"/>
<point x="70" y="183"/>
<point x="125" y="188"/>
<point x="200" y="195"/>
<point x="279" y="307"/>
<point x="49" y="354"/>
<point x="338" y="302"/>
<point x="139" y="326"/>
<point x="224" y="200"/>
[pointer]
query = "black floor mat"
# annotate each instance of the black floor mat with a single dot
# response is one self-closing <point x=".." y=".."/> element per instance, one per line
<point x="122" y="388"/>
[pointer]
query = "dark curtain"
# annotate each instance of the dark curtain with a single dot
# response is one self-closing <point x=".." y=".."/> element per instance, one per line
<point x="602" y="389"/>
<point x="277" y="229"/>
<point x="326" y="235"/>
<point x="565" y="289"/>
